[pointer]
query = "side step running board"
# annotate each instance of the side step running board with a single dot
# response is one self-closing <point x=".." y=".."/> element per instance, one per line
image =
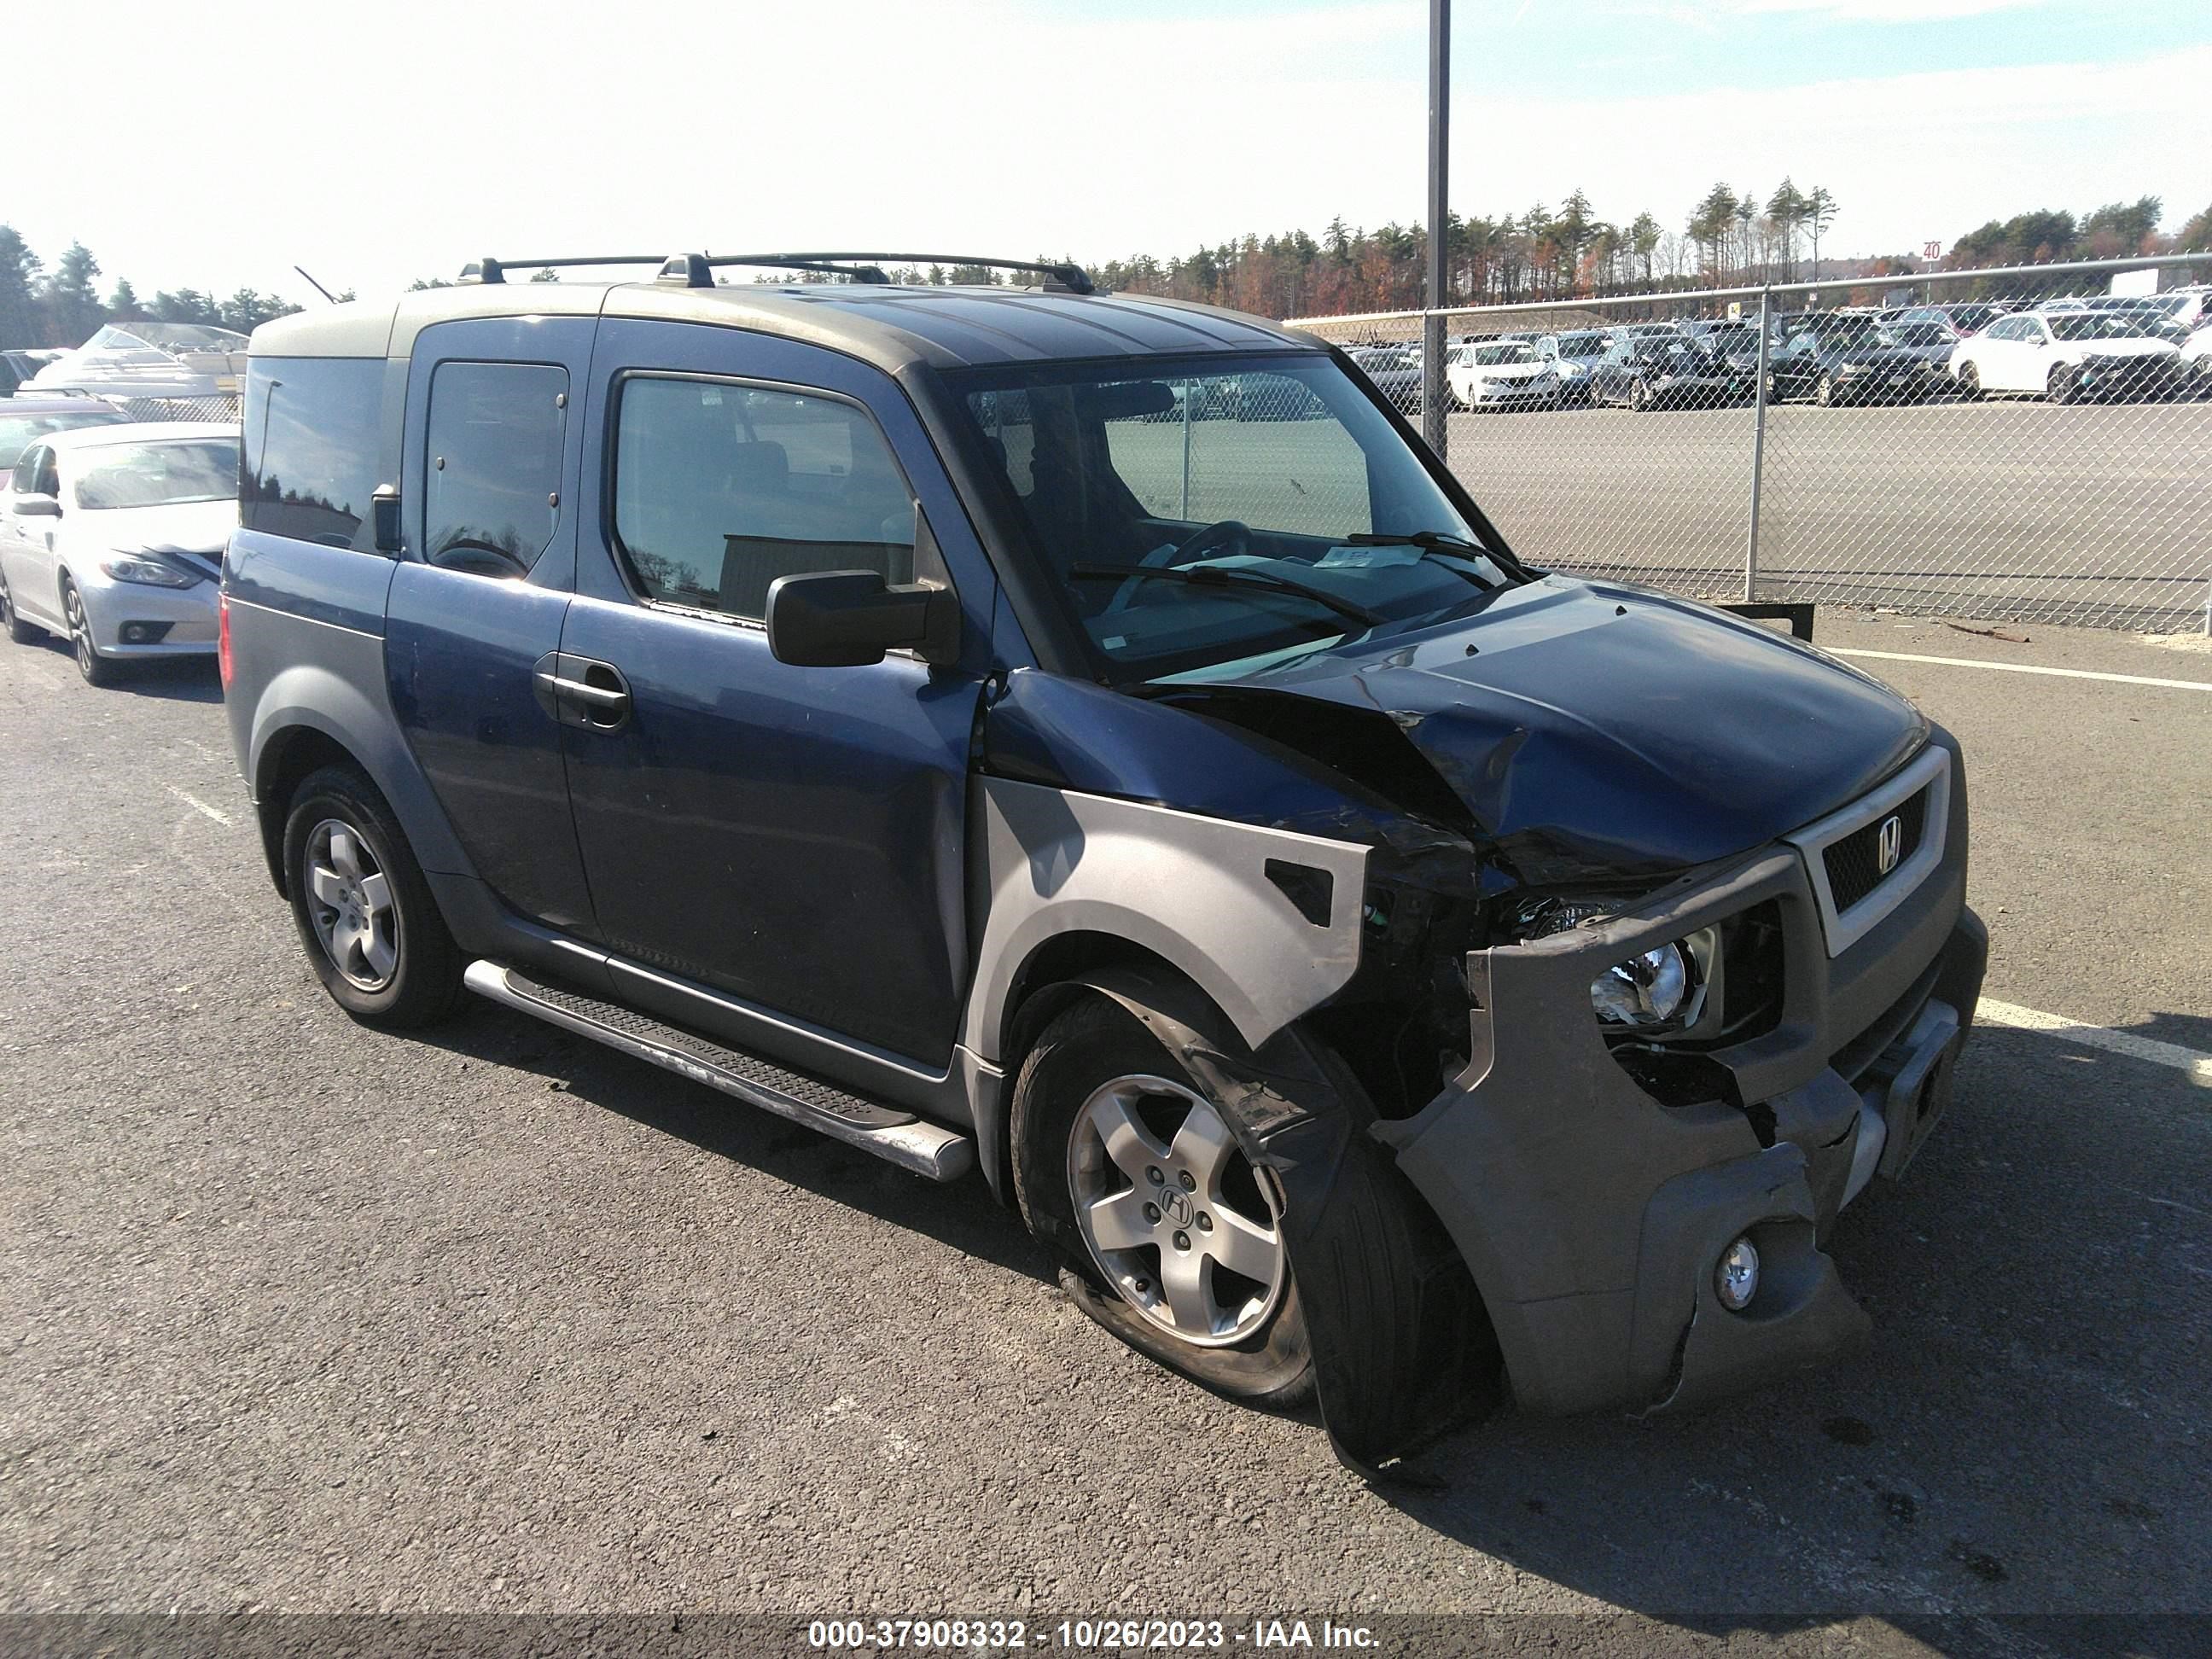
<point x="891" y="1133"/>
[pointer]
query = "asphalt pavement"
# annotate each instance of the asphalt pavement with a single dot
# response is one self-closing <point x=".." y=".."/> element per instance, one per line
<point x="299" y="1317"/>
<point x="2088" y="512"/>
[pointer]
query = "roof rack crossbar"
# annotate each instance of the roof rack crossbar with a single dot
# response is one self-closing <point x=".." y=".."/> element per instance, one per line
<point x="1074" y="278"/>
<point x="690" y="268"/>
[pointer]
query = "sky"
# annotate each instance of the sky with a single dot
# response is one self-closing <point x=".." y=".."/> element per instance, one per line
<point x="222" y="143"/>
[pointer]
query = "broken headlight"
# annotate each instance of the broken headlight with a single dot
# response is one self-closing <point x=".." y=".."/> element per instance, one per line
<point x="1651" y="994"/>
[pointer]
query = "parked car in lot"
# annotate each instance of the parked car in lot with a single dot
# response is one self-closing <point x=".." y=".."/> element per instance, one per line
<point x="113" y="536"/>
<point x="2196" y="357"/>
<point x="1836" y="358"/>
<point x="1501" y="374"/>
<point x="1366" y="962"/>
<point x="2066" y="356"/>
<point x="1396" y="372"/>
<point x="1662" y="371"/>
<point x="1573" y="356"/>
<point x="24" y="421"/>
<point x="1966" y="317"/>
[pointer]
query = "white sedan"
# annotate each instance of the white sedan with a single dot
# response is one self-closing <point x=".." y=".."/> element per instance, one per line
<point x="2196" y="355"/>
<point x="2065" y="356"/>
<point x="1501" y="374"/>
<point x="112" y="537"/>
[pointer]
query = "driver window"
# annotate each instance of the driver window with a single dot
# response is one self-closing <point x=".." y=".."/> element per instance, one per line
<point x="494" y="443"/>
<point x="720" y="488"/>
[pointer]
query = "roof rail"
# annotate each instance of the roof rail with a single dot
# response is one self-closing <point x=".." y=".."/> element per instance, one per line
<point x="695" y="269"/>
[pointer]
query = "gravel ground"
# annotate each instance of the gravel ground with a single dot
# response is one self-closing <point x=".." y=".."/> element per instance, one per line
<point x="299" y="1317"/>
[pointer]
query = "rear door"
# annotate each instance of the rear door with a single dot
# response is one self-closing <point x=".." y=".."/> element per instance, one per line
<point x="790" y="838"/>
<point x="476" y="608"/>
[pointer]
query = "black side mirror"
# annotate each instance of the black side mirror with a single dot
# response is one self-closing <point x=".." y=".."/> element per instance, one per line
<point x="37" y="506"/>
<point x="384" y="513"/>
<point x="846" y="618"/>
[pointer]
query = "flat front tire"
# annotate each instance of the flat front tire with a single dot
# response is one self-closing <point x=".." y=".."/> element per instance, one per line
<point x="1135" y="1176"/>
<point x="366" y="916"/>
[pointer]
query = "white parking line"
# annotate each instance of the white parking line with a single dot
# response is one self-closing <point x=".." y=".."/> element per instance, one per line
<point x="2197" y="1067"/>
<point x="2023" y="668"/>
<point x="196" y="805"/>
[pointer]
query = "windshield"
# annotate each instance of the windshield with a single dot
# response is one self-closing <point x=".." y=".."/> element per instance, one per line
<point x="1741" y="338"/>
<point x="2095" y="326"/>
<point x="160" y="474"/>
<point x="1376" y="361"/>
<point x="1918" y="334"/>
<point x="1245" y="480"/>
<point x="1582" y="345"/>
<point x="19" y="432"/>
<point x="1490" y="357"/>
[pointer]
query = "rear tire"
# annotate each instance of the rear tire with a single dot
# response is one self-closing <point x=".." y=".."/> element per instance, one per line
<point x="21" y="632"/>
<point x="2064" y="385"/>
<point x="1094" y="1063"/>
<point x="1970" y="383"/>
<point x="372" y="929"/>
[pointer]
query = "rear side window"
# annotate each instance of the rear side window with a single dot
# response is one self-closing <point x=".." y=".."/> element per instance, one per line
<point x="310" y="456"/>
<point x="720" y="489"/>
<point x="493" y="498"/>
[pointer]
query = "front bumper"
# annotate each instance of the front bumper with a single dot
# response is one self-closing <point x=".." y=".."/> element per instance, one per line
<point x="1591" y="1217"/>
<point x="132" y="619"/>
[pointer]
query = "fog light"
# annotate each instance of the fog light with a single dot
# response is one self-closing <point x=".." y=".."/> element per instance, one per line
<point x="1736" y="1281"/>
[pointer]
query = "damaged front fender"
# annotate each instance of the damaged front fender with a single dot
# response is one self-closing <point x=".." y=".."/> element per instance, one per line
<point x="1402" y="1351"/>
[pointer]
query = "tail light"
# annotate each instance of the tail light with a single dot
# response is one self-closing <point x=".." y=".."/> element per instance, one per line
<point x="222" y="638"/>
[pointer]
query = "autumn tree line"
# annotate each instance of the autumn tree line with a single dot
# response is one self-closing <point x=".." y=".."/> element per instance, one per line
<point x="1729" y="237"/>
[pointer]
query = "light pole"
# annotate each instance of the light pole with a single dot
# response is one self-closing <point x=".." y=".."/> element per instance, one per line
<point x="1433" y="395"/>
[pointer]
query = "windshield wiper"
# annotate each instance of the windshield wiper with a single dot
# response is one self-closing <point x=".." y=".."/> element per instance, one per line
<point x="1234" y="576"/>
<point x="1429" y="541"/>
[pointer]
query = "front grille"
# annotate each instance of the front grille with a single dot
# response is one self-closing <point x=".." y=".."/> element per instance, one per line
<point x="1853" y="872"/>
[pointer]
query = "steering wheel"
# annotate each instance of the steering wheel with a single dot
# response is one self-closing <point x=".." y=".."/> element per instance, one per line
<point x="1221" y="532"/>
<point x="1202" y="542"/>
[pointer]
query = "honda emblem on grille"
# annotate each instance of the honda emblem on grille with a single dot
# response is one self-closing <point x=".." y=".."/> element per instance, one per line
<point x="1888" y="843"/>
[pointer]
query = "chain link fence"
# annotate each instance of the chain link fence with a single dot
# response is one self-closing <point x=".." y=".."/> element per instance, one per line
<point x="2020" y="445"/>
<point x="222" y="406"/>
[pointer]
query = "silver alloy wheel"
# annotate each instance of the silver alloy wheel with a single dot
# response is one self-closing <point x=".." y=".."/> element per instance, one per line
<point x="80" y="627"/>
<point x="1180" y="1222"/>
<point x="349" y="901"/>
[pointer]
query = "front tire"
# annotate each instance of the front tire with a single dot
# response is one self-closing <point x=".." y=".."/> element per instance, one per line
<point x="97" y="669"/>
<point x="1134" y="1175"/>
<point x="2064" y="385"/>
<point x="372" y="932"/>
<point x="1970" y="383"/>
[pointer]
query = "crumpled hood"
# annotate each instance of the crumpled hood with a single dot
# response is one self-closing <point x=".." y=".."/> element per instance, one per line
<point x="1602" y="732"/>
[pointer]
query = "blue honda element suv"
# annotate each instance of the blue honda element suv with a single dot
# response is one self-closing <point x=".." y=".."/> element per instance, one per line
<point x="1089" y="740"/>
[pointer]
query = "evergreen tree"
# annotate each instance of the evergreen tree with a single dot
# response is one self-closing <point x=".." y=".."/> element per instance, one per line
<point x="19" y="309"/>
<point x="72" y="302"/>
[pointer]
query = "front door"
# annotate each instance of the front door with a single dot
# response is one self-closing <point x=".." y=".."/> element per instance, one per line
<point x="475" y="607"/>
<point x="789" y="838"/>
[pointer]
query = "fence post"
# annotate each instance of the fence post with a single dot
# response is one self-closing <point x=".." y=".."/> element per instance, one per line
<point x="1758" y="453"/>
